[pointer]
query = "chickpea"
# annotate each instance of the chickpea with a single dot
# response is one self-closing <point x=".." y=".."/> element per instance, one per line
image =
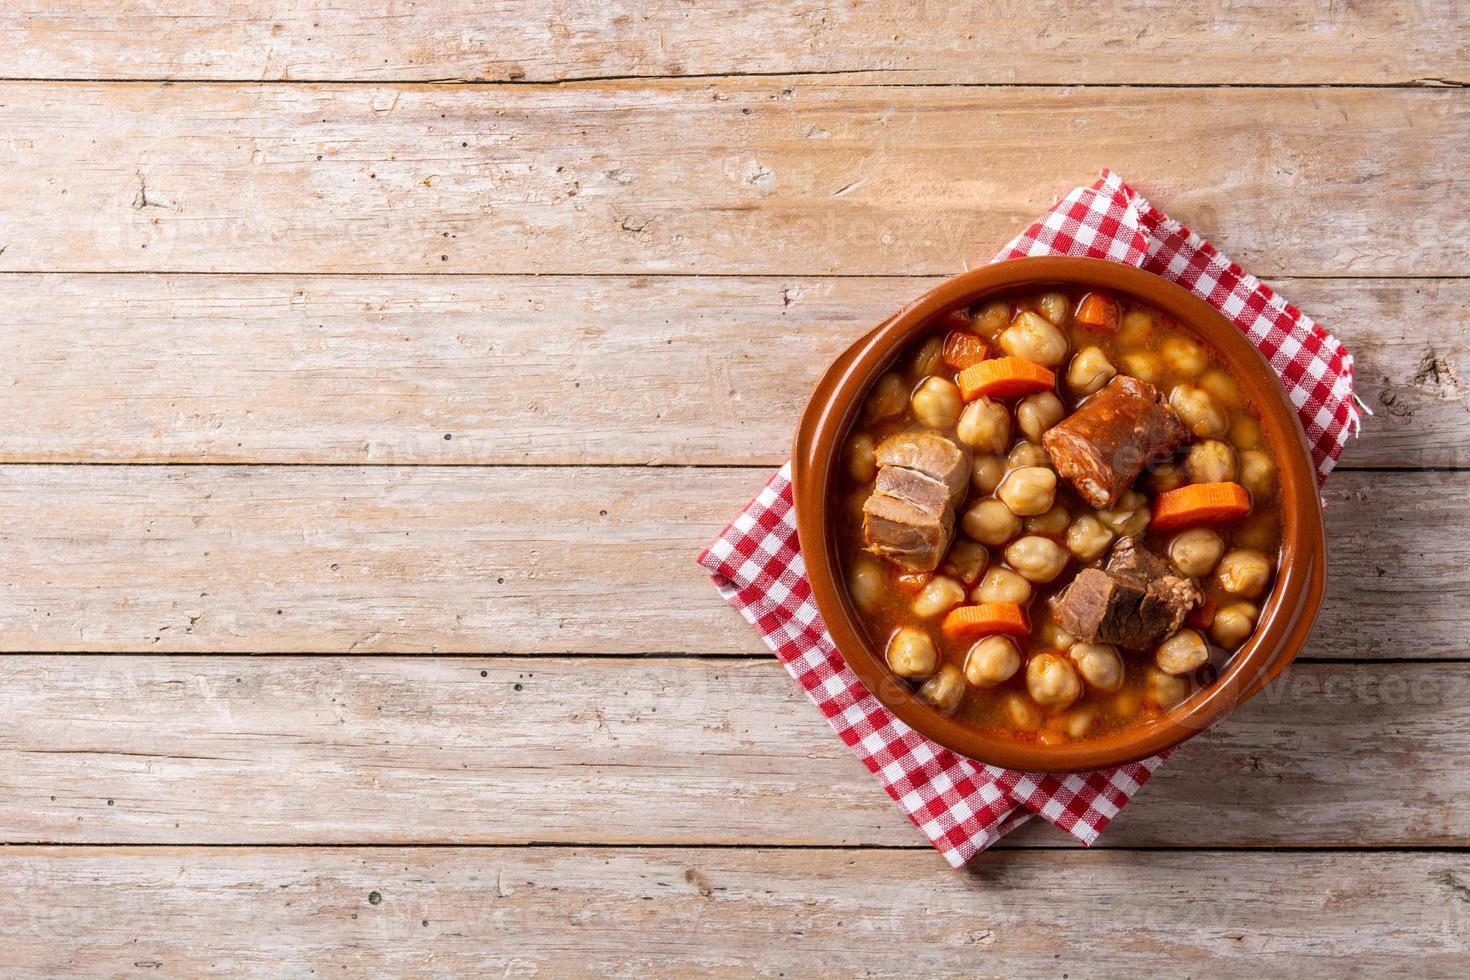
<point x="991" y="661"/>
<point x="1053" y="306"/>
<point x="1027" y="454"/>
<point x="991" y="319"/>
<point x="1184" y="356"/>
<point x="1244" y="572"/>
<point x="944" y="690"/>
<point x="1028" y="491"/>
<point x="966" y="560"/>
<point x="1052" y="523"/>
<point x="1003" y="585"/>
<point x="1163" y="477"/>
<point x="1182" y="653"/>
<point x="1164" y="690"/>
<point x="861" y="465"/>
<point x="990" y="522"/>
<point x="1258" y="473"/>
<point x="1199" y="411"/>
<point x="1052" y="635"/>
<point x="1195" y="552"/>
<point x="1233" y="623"/>
<point x="985" y="426"/>
<point x="1022" y="712"/>
<point x="986" y="472"/>
<point x="939" y="596"/>
<point x="1037" y="559"/>
<point x="889" y="396"/>
<point x="1087" y="538"/>
<point x="1221" y="387"/>
<point x="1052" y="682"/>
<point x="1076" y="723"/>
<point x="865" y="583"/>
<point x="929" y="358"/>
<point x="1127" y="704"/>
<point x="1130" y="517"/>
<point x="1099" y="664"/>
<point x="1039" y="412"/>
<point x="1089" y="371"/>
<point x="1258" y="533"/>
<point x="937" y="403"/>
<point x="1210" y="461"/>
<point x="911" y="653"/>
<point x="1245" y="433"/>
<point x="1136" y="327"/>
<point x="1143" y="365"/>
<point x="1033" y="338"/>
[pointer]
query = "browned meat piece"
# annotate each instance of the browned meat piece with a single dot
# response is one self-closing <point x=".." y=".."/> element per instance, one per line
<point x="1135" y="603"/>
<point x="931" y="454"/>
<point x="1103" y="446"/>
<point x="919" y="489"/>
<point x="906" y="533"/>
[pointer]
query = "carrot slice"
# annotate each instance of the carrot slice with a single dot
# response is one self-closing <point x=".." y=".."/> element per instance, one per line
<point x="1100" y="312"/>
<point x="1004" y="377"/>
<point x="1201" y="616"/>
<point x="969" y="622"/>
<point x="1200" y="503"/>
<point x="912" y="582"/>
<point x="963" y="349"/>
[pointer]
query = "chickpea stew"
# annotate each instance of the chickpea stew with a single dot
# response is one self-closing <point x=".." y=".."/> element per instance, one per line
<point x="1057" y="515"/>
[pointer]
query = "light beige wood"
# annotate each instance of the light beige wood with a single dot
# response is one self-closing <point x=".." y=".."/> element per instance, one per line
<point x="709" y="370"/>
<point x="1047" y="41"/>
<point x="564" y="912"/>
<point x="510" y="751"/>
<point x="530" y="560"/>
<point x="766" y="175"/>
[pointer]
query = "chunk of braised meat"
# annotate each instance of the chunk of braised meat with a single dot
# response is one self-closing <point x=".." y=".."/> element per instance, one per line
<point x="919" y="489"/>
<point x="906" y="533"/>
<point x="1103" y="446"/>
<point x="930" y="453"/>
<point x="1134" y="602"/>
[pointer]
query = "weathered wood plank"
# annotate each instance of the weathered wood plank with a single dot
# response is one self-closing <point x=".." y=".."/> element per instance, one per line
<point x="574" y="912"/>
<point x="709" y="370"/>
<point x="763" y="175"/>
<point x="512" y="751"/>
<point x="531" y="560"/>
<point x="1047" y="41"/>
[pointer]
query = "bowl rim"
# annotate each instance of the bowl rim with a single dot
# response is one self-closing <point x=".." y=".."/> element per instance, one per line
<point x="1287" y="614"/>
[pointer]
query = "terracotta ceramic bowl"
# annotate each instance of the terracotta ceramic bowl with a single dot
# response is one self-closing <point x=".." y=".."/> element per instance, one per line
<point x="1287" y="613"/>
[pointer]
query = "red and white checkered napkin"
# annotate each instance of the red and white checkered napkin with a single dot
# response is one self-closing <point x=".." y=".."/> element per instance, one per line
<point x="961" y="805"/>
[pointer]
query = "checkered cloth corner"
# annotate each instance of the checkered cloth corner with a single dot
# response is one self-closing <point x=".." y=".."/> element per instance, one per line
<point x="961" y="805"/>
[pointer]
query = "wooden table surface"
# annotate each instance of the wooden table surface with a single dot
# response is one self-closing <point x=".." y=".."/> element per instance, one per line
<point x="375" y="373"/>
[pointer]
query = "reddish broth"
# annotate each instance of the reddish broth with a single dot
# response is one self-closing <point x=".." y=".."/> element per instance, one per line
<point x="1145" y="344"/>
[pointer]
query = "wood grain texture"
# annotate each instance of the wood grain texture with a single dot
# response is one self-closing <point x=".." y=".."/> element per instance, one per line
<point x="603" y="911"/>
<point x="531" y="560"/>
<point x="1046" y="41"/>
<point x="554" y="369"/>
<point x="512" y="751"/>
<point x="769" y="175"/>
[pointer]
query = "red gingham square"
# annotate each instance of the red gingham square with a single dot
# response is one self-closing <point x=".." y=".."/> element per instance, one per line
<point x="961" y="805"/>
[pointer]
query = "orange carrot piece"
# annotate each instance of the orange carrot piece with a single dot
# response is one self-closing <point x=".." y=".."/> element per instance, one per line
<point x="912" y="582"/>
<point x="1200" y="503"/>
<point x="969" y="622"/>
<point x="963" y="349"/>
<point x="1004" y="377"/>
<point x="1201" y="616"/>
<point x="1100" y="312"/>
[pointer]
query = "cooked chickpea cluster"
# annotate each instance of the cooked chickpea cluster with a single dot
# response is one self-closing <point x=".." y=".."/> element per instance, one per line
<point x="1020" y="532"/>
